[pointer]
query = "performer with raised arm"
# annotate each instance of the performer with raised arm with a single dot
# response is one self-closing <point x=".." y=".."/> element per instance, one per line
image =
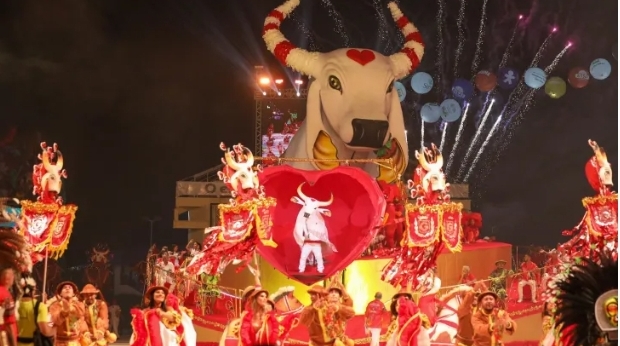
<point x="259" y="326"/>
<point x="489" y="322"/>
<point x="68" y="315"/>
<point x="529" y="276"/>
<point x="326" y="318"/>
<point x="425" y="297"/>
<point x="96" y="317"/>
<point x="467" y="278"/>
<point x="406" y="328"/>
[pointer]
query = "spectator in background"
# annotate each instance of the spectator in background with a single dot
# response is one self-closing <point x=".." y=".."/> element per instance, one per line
<point x="27" y="323"/>
<point x="115" y="315"/>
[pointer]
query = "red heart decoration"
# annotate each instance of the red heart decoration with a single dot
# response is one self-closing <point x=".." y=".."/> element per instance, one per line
<point x="351" y="221"/>
<point x="361" y="57"/>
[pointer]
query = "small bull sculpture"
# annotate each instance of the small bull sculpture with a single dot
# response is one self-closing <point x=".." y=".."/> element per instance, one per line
<point x="238" y="172"/>
<point x="352" y="109"/>
<point x="310" y="231"/>
<point x="598" y="170"/>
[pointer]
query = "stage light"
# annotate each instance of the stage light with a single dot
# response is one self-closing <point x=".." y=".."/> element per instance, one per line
<point x="569" y="44"/>
<point x="264" y="93"/>
<point x="279" y="93"/>
<point x="299" y="82"/>
<point x="520" y="16"/>
<point x="554" y="29"/>
<point x="264" y="81"/>
<point x="279" y="81"/>
<point x="298" y="94"/>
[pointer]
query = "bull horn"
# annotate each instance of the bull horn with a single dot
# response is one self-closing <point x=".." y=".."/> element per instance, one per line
<point x="45" y="159"/>
<point x="327" y="203"/>
<point x="300" y="193"/>
<point x="294" y="57"/>
<point x="422" y="160"/>
<point x="231" y="162"/>
<point x="249" y="157"/>
<point x="410" y="56"/>
<point x="59" y="160"/>
<point x="439" y="161"/>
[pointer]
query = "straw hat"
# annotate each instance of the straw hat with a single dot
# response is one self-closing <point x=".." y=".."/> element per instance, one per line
<point x="247" y="291"/>
<point x="152" y="289"/>
<point x="487" y="293"/>
<point x="337" y="286"/>
<point x="404" y="292"/>
<point x="65" y="283"/>
<point x="317" y="289"/>
<point x="89" y="289"/>
<point x="500" y="261"/>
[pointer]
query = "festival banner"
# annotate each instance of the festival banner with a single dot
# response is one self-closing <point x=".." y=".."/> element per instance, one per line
<point x="236" y="221"/>
<point x="602" y="214"/>
<point x="61" y="230"/>
<point x="47" y="224"/>
<point x="451" y="226"/>
<point x="265" y="209"/>
<point x="422" y="225"/>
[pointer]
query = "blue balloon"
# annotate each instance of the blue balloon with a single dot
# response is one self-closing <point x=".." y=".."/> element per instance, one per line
<point x="450" y="110"/>
<point x="400" y="89"/>
<point x="421" y="82"/>
<point x="507" y="78"/>
<point x="535" y="77"/>
<point x="462" y="89"/>
<point x="430" y="112"/>
<point x="600" y="69"/>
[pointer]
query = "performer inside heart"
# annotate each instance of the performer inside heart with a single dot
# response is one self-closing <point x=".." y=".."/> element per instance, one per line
<point x="310" y="232"/>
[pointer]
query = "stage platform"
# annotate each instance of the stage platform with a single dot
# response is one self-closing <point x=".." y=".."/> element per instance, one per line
<point x="362" y="281"/>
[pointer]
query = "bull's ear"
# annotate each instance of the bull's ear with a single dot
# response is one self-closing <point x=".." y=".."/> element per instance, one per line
<point x="400" y="154"/>
<point x="325" y="212"/>
<point x="297" y="200"/>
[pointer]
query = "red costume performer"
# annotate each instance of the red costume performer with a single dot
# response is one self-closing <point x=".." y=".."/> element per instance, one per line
<point x="375" y="312"/>
<point x="157" y="324"/>
<point x="7" y="305"/>
<point x="530" y="276"/>
<point x="259" y="325"/>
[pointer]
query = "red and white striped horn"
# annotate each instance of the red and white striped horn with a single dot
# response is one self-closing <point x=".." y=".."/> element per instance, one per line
<point x="296" y="58"/>
<point x="410" y="56"/>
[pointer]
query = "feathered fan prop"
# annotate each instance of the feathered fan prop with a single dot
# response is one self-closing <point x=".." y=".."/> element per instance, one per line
<point x="578" y="316"/>
<point x="14" y="251"/>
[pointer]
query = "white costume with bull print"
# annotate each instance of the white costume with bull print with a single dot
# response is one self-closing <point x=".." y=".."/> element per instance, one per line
<point x="310" y="231"/>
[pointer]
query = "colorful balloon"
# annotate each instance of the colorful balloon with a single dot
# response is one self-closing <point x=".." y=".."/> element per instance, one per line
<point x="400" y="89"/>
<point x="485" y="81"/>
<point x="430" y="112"/>
<point x="462" y="89"/>
<point x="535" y="77"/>
<point x="421" y="82"/>
<point x="578" y="77"/>
<point x="450" y="110"/>
<point x="508" y="78"/>
<point x="555" y="87"/>
<point x="600" y="69"/>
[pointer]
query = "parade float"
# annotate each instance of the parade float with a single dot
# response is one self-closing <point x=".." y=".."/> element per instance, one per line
<point x="46" y="223"/>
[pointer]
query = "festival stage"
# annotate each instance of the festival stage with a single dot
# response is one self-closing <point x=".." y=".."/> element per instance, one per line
<point x="362" y="280"/>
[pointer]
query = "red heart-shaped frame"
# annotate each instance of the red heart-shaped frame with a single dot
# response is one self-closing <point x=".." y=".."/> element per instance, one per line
<point x="356" y="215"/>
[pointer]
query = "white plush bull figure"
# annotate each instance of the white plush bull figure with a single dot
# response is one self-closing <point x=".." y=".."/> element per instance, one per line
<point x="310" y="231"/>
<point x="352" y="110"/>
<point x="51" y="180"/>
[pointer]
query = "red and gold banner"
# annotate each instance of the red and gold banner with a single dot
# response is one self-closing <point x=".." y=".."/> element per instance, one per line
<point x="422" y="225"/>
<point x="602" y="214"/>
<point x="427" y="224"/>
<point x="47" y="224"/>
<point x="237" y="221"/>
<point x="451" y="230"/>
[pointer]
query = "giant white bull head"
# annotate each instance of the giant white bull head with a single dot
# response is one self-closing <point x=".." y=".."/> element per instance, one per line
<point x="432" y="162"/>
<point x="352" y="107"/>
<point x="240" y="162"/>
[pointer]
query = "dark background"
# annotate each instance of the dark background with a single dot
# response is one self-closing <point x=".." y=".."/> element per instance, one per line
<point x="139" y="94"/>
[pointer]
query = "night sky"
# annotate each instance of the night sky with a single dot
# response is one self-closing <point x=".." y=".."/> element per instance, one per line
<point x="139" y="94"/>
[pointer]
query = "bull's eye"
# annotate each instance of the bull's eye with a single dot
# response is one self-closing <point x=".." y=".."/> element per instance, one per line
<point x="390" y="87"/>
<point x="334" y="83"/>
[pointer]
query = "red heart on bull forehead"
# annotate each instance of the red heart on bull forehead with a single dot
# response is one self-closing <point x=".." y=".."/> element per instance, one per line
<point x="361" y="57"/>
<point x="323" y="220"/>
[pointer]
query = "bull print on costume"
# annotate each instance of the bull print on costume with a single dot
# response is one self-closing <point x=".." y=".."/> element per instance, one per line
<point x="323" y="220"/>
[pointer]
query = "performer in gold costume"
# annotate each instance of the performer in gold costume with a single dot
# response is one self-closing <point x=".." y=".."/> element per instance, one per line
<point x="96" y="316"/>
<point x="68" y="315"/>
